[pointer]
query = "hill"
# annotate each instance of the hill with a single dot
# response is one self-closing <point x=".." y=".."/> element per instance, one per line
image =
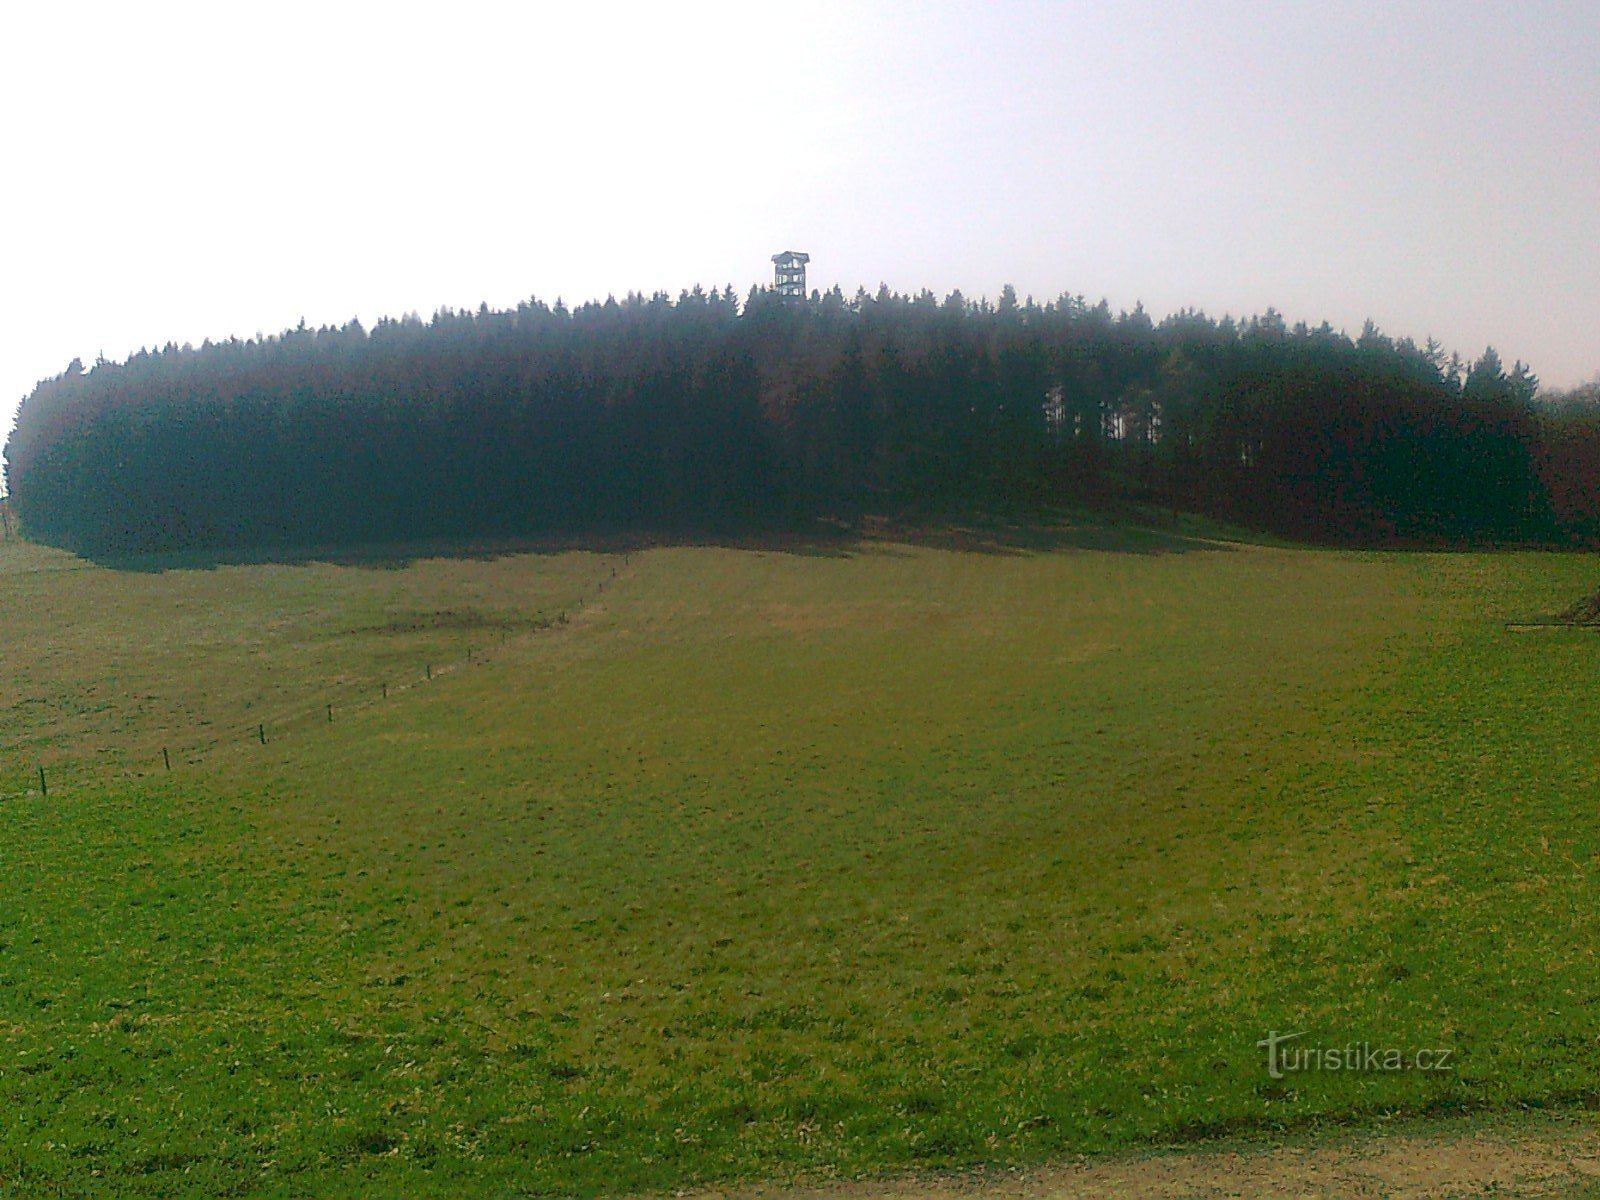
<point x="697" y="414"/>
<point x="818" y="859"/>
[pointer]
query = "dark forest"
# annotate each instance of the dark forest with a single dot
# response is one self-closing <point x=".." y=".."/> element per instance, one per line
<point x="653" y="414"/>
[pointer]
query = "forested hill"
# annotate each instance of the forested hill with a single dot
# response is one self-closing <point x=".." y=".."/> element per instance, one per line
<point x="653" y="413"/>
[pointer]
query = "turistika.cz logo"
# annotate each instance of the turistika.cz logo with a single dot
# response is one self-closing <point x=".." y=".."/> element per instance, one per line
<point x="1284" y="1059"/>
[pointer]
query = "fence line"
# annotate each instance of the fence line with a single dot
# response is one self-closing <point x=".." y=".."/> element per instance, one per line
<point x="264" y="730"/>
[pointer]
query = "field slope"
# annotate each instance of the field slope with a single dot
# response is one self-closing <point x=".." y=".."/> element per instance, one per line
<point x="698" y="864"/>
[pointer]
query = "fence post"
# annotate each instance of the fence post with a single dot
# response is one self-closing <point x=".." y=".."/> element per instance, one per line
<point x="330" y="714"/>
<point x="261" y="732"/>
<point x="44" y="788"/>
<point x="165" y="758"/>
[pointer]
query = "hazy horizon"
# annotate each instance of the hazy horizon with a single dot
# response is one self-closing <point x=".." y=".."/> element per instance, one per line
<point x="182" y="172"/>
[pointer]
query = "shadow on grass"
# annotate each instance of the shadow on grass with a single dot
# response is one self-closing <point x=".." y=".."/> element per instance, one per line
<point x="821" y="539"/>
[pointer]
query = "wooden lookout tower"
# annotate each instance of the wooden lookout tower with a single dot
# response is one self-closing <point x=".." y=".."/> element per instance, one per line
<point x="789" y="273"/>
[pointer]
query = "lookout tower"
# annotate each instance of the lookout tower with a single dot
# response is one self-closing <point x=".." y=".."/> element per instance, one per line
<point x="789" y="273"/>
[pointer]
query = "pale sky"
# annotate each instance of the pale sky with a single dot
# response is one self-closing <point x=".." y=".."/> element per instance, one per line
<point x="180" y="171"/>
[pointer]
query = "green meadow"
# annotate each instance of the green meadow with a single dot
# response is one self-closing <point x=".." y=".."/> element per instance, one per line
<point x="698" y="864"/>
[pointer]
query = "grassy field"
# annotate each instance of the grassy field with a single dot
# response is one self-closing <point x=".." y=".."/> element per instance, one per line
<point x="718" y="863"/>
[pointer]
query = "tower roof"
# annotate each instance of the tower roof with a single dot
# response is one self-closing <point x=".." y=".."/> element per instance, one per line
<point x="792" y="256"/>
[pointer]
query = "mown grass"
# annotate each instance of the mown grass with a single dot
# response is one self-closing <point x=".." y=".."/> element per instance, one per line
<point x="111" y="665"/>
<point x="775" y="865"/>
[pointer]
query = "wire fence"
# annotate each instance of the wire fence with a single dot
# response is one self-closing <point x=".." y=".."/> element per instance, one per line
<point x="159" y="756"/>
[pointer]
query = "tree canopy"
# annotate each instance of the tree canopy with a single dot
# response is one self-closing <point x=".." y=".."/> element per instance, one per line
<point x="654" y="412"/>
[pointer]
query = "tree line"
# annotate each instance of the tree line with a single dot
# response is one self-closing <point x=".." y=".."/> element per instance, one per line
<point x="654" y="413"/>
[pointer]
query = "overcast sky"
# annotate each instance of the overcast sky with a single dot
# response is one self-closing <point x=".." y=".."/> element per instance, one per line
<point x="181" y="171"/>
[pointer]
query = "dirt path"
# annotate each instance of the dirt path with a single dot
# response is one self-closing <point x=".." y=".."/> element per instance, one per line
<point x="1533" y="1157"/>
